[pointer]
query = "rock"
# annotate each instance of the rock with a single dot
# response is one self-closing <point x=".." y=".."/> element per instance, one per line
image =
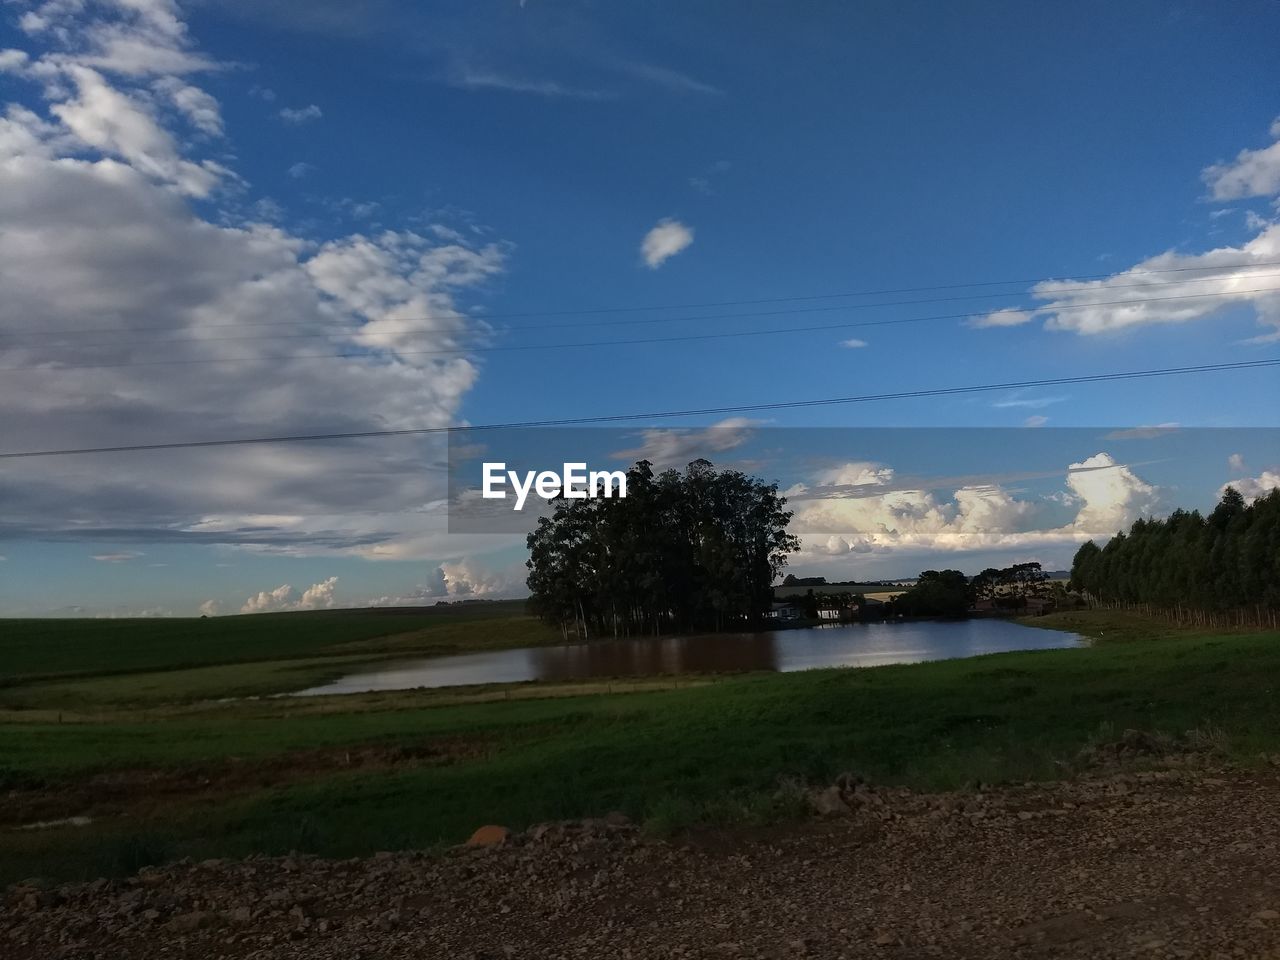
<point x="189" y="922"/>
<point x="829" y="803"/>
<point x="490" y="835"/>
<point x="1267" y="915"/>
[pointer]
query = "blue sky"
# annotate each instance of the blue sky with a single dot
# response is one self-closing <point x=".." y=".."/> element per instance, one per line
<point x="310" y="173"/>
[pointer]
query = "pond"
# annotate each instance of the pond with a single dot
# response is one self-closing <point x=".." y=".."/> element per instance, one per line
<point x="847" y="645"/>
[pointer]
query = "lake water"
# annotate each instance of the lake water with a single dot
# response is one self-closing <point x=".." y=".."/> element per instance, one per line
<point x="851" y="645"/>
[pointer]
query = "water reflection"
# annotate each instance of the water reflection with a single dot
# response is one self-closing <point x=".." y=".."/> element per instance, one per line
<point x="852" y="645"/>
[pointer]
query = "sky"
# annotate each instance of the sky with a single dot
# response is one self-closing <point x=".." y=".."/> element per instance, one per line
<point x="227" y="219"/>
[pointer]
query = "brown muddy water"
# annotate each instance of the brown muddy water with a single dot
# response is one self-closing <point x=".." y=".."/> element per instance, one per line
<point x="849" y="645"/>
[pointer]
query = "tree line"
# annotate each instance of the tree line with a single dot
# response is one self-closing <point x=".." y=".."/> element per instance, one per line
<point x="1225" y="561"/>
<point x="949" y="593"/>
<point x="697" y="550"/>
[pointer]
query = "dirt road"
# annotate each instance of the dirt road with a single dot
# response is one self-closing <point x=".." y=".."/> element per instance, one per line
<point x="1175" y="863"/>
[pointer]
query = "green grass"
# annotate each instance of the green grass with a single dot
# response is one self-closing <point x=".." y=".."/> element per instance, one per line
<point x="61" y="647"/>
<point x="1109" y="625"/>
<point x="90" y="664"/>
<point x="711" y="752"/>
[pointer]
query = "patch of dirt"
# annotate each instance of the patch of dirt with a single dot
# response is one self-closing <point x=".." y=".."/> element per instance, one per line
<point x="1169" y="863"/>
<point x="132" y="792"/>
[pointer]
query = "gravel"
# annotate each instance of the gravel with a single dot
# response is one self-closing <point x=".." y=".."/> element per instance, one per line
<point x="1176" y="862"/>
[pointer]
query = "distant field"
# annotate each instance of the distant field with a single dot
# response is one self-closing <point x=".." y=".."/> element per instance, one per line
<point x="353" y="775"/>
<point x="86" y="663"/>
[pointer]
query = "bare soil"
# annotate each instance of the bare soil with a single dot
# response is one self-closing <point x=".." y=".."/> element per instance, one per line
<point x="1177" y="862"/>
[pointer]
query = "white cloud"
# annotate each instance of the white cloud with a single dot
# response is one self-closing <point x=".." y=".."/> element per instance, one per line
<point x="199" y="107"/>
<point x="1112" y="496"/>
<point x="100" y="234"/>
<point x="664" y="241"/>
<point x="467" y="77"/>
<point x="1236" y="462"/>
<point x="211" y="608"/>
<point x="853" y="343"/>
<point x="300" y="115"/>
<point x="1253" y="173"/>
<point x="462" y="578"/>
<point x="13" y="61"/>
<point x="1176" y="287"/>
<point x="1019" y="398"/>
<point x="864" y="508"/>
<point x="673" y="447"/>
<point x="116" y="557"/>
<point x="1003" y="318"/>
<point x="674" y="81"/>
<point x="465" y="578"/>
<point x="1251" y="488"/>
<point x="118" y="125"/>
<point x="1035" y="420"/>
<point x="318" y="596"/>
<point x="300" y="170"/>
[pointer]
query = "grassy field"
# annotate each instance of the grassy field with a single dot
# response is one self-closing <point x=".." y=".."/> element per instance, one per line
<point x="349" y="775"/>
<point x="79" y="665"/>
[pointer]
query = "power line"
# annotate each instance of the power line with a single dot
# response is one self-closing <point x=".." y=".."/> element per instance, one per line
<point x="719" y="303"/>
<point x="348" y="330"/>
<point x="685" y="338"/>
<point x="660" y="415"/>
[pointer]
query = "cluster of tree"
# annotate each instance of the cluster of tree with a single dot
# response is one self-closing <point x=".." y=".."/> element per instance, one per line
<point x="1011" y="586"/>
<point x="1225" y="561"/>
<point x="681" y="551"/>
<point x="949" y="593"/>
<point x="937" y="593"/>
<point x="793" y="581"/>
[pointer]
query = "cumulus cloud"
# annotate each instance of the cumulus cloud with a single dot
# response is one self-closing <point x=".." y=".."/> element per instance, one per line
<point x="1236" y="462"/>
<point x="101" y="235"/>
<point x="1251" y="488"/>
<point x="300" y="115"/>
<point x="300" y="170"/>
<point x="1174" y="287"/>
<point x="863" y="507"/>
<point x="1253" y="173"/>
<point x="318" y="596"/>
<point x="664" y="241"/>
<point x="210" y="608"/>
<point x="1111" y="495"/>
<point x="461" y="579"/>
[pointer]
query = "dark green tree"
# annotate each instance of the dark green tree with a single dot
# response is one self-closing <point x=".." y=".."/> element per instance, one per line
<point x="698" y="550"/>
